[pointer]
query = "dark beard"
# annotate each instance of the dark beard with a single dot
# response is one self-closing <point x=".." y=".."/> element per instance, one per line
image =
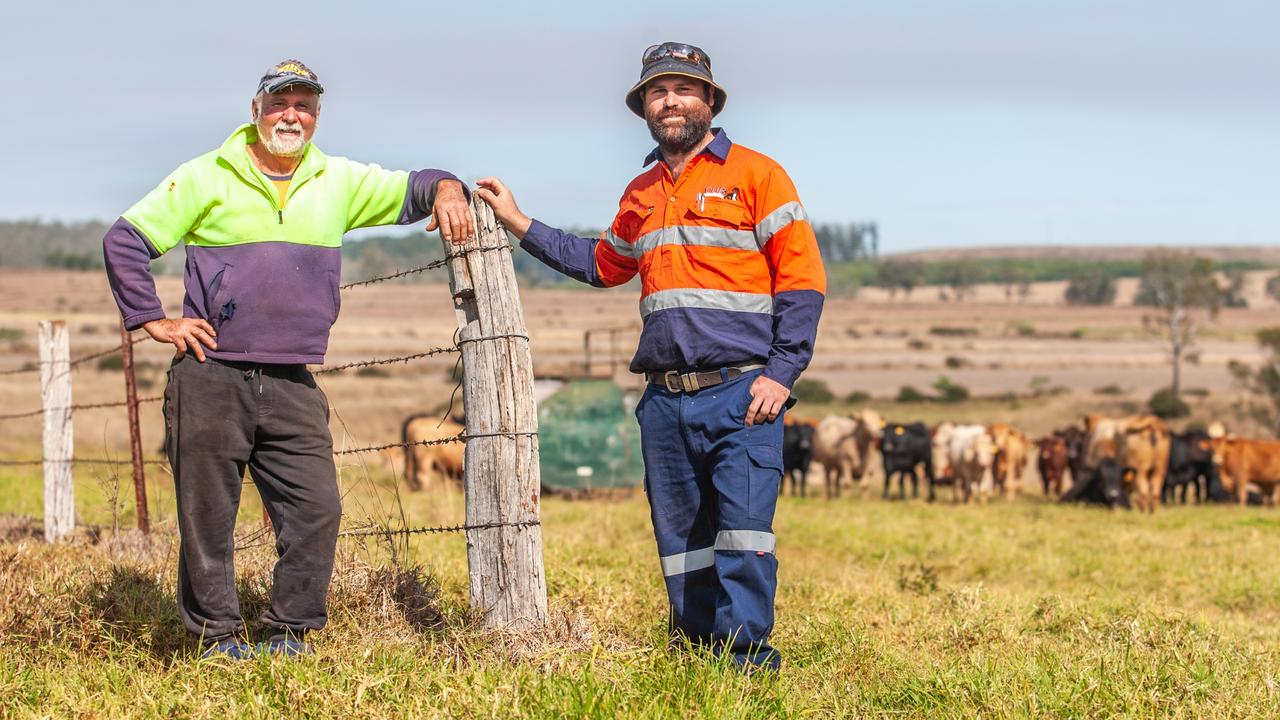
<point x="696" y="125"/>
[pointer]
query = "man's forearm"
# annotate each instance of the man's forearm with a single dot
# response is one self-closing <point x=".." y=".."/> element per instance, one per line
<point x="561" y="251"/>
<point x="795" y="329"/>
<point x="127" y="255"/>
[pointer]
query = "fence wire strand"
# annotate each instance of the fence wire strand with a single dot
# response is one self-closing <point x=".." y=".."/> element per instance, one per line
<point x="433" y="265"/>
<point x="254" y="539"/>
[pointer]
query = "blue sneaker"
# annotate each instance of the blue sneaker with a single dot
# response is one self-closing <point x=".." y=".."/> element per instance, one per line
<point x="228" y="650"/>
<point x="286" y="647"/>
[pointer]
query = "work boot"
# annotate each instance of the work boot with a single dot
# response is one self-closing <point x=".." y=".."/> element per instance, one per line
<point x="229" y="649"/>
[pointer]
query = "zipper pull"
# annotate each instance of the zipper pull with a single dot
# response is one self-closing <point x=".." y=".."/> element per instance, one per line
<point x="280" y="215"/>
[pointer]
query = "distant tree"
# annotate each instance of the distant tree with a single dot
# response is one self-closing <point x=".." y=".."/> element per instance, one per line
<point x="1090" y="286"/>
<point x="1263" y="381"/>
<point x="960" y="277"/>
<point x="1016" y="279"/>
<point x="904" y="275"/>
<point x="1183" y="293"/>
<point x="1273" y="287"/>
<point x="1233" y="293"/>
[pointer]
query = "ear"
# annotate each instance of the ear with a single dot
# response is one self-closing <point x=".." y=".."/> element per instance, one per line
<point x="253" y="110"/>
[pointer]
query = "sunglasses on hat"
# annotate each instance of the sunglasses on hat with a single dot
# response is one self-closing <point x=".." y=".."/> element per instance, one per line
<point x="676" y="51"/>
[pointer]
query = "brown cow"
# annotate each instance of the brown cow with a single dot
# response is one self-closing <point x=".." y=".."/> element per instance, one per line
<point x="1140" y="444"/>
<point x="1052" y="462"/>
<point x="1010" y="469"/>
<point x="421" y="461"/>
<point x="1241" y="462"/>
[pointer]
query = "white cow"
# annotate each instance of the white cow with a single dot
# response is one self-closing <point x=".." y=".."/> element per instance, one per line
<point x="971" y="452"/>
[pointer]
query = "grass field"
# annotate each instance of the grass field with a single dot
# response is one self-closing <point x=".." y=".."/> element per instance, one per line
<point x="1021" y="609"/>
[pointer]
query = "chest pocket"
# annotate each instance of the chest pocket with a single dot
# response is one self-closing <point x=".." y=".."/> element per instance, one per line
<point x="728" y="214"/>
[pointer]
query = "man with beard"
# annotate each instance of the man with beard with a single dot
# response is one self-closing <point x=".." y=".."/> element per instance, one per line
<point x="262" y="220"/>
<point x="731" y="289"/>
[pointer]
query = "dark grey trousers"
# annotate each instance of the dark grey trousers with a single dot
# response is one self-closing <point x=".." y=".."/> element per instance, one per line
<point x="219" y="418"/>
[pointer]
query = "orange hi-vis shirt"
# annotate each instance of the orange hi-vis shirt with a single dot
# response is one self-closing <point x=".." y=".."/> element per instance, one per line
<point x="729" y="266"/>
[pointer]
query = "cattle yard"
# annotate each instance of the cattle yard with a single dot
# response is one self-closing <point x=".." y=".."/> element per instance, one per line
<point x="1020" y="606"/>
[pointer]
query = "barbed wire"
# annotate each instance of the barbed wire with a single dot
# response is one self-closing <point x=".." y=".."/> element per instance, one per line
<point x="81" y="406"/>
<point x="433" y="265"/>
<point x="386" y="361"/>
<point x="76" y="362"/>
<point x="460" y="437"/>
<point x="388" y="533"/>
<point x="80" y="461"/>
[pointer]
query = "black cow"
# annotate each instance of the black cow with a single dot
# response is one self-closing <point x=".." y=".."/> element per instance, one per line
<point x="797" y="453"/>
<point x="1190" y="464"/>
<point x="1104" y="486"/>
<point x="1077" y="448"/>
<point x="903" y="448"/>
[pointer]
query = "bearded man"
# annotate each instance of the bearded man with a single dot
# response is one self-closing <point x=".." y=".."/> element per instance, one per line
<point x="732" y="287"/>
<point x="262" y="220"/>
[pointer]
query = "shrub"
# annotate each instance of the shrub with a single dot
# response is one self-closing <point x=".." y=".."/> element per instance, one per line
<point x="111" y="362"/>
<point x="1163" y="404"/>
<point x="949" y="392"/>
<point x="907" y="394"/>
<point x="1022" y="328"/>
<point x="12" y="334"/>
<point x="372" y="372"/>
<point x="955" y="362"/>
<point x="1111" y="389"/>
<point x="857" y="396"/>
<point x="813" y="391"/>
<point x="917" y="344"/>
<point x="949" y="331"/>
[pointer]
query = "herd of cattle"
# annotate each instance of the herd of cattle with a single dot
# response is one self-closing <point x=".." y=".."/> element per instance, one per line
<point x="1111" y="461"/>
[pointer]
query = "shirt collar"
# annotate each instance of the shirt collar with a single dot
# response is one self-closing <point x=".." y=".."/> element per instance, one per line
<point x="719" y="146"/>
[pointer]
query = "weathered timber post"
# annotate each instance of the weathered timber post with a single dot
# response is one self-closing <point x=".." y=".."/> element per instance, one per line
<point x="504" y="555"/>
<point x="135" y="431"/>
<point x="55" y="399"/>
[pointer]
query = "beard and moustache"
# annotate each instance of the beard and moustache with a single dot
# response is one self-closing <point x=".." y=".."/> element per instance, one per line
<point x="289" y="145"/>
<point x="680" y="139"/>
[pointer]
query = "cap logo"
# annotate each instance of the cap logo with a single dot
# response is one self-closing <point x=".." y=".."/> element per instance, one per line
<point x="294" y="68"/>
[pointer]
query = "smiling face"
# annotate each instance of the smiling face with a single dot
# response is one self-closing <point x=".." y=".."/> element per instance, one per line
<point x="678" y="111"/>
<point x="286" y="120"/>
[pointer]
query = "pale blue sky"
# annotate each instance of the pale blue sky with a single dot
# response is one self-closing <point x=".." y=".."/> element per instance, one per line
<point x="950" y="123"/>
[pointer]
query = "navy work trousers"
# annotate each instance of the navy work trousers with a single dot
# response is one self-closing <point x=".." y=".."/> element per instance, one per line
<point x="712" y="484"/>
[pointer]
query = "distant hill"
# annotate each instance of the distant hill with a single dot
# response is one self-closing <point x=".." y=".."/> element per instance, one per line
<point x="1260" y="254"/>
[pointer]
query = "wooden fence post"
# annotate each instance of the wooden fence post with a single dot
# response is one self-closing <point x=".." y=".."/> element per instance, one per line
<point x="55" y="399"/>
<point x="135" y="431"/>
<point x="501" y="475"/>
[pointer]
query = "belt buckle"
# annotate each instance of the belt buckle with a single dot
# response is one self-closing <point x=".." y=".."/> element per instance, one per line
<point x="667" y="378"/>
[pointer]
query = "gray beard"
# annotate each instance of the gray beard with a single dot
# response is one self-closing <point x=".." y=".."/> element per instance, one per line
<point x="684" y="139"/>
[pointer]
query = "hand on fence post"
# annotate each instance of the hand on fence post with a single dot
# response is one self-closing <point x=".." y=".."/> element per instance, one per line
<point x="499" y="197"/>
<point x="452" y="213"/>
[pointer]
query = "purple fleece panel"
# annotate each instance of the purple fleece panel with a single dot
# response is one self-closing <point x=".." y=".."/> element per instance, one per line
<point x="563" y="252"/>
<point x="128" y="256"/>
<point x="270" y="302"/>
<point x="421" y="197"/>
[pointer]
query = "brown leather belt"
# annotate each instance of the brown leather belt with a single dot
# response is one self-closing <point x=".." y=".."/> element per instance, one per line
<point x="676" y="381"/>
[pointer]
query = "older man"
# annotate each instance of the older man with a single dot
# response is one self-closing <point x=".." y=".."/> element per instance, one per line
<point x="731" y="290"/>
<point x="262" y="219"/>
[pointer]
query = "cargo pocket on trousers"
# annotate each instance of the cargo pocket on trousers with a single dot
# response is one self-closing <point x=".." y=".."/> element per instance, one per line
<point x="764" y="473"/>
